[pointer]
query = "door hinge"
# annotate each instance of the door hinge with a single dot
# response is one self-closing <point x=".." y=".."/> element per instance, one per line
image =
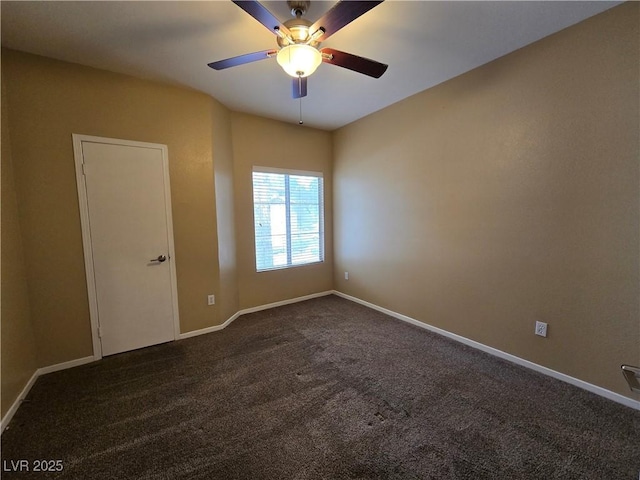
<point x="99" y="332"/>
<point x="84" y="169"/>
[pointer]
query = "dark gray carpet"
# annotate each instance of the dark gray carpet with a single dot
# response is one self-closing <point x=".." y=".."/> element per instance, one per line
<point x="324" y="389"/>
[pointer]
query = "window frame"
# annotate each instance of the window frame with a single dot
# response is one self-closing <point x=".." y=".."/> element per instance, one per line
<point x="321" y="227"/>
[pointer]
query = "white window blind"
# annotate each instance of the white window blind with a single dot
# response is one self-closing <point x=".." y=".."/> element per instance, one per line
<point x="289" y="218"/>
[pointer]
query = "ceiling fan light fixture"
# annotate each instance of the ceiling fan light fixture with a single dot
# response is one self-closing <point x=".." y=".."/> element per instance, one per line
<point x="299" y="60"/>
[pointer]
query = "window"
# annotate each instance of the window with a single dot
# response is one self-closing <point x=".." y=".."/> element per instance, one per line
<point x="288" y="213"/>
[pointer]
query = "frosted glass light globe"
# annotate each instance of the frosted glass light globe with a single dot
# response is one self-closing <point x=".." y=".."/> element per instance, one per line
<point x="299" y="60"/>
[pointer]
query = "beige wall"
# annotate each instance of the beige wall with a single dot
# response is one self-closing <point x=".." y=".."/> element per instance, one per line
<point x="18" y="354"/>
<point x="508" y="195"/>
<point x="268" y="143"/>
<point x="227" y="298"/>
<point x="49" y="100"/>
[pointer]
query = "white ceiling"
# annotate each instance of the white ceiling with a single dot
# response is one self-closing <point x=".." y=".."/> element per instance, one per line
<point x="424" y="43"/>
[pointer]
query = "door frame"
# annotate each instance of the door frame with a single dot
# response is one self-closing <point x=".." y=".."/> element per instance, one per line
<point x="86" y="231"/>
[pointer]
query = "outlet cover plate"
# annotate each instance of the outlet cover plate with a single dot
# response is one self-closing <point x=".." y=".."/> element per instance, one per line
<point x="541" y="329"/>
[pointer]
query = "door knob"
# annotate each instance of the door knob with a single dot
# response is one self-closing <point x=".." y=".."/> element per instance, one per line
<point x="161" y="258"/>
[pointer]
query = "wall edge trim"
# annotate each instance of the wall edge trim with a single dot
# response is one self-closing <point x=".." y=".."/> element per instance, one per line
<point x="214" y="328"/>
<point x="64" y="365"/>
<point x="18" y="401"/>
<point x="40" y="371"/>
<point x="239" y="313"/>
<point x="285" y="302"/>
<point x="603" y="392"/>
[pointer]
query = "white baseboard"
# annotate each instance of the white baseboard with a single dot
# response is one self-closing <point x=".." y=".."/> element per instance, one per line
<point x="41" y="371"/>
<point x="217" y="328"/>
<point x="64" y="365"/>
<point x="285" y="302"/>
<point x="629" y="402"/>
<point x="603" y="392"/>
<point x="14" y="407"/>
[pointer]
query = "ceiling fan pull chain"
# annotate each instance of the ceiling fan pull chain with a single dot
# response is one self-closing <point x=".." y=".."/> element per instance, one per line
<point x="300" y="122"/>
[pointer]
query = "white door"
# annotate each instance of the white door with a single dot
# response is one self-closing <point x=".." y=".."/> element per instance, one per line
<point x="128" y="215"/>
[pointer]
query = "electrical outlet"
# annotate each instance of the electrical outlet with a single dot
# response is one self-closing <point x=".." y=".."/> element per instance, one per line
<point x="346" y="275"/>
<point x="211" y="299"/>
<point x="541" y="329"/>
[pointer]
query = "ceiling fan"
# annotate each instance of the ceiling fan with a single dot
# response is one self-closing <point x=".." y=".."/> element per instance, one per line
<point x="299" y="52"/>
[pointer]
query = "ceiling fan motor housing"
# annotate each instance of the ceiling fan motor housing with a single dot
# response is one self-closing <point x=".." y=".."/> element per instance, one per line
<point x="299" y="28"/>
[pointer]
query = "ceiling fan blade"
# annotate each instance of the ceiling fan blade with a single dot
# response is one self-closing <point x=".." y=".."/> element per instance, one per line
<point x="341" y="14"/>
<point x="261" y="14"/>
<point x="242" y="59"/>
<point x="353" y="62"/>
<point x="299" y="87"/>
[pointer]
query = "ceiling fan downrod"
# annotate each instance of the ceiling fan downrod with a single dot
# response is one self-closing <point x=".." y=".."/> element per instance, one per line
<point x="298" y="8"/>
